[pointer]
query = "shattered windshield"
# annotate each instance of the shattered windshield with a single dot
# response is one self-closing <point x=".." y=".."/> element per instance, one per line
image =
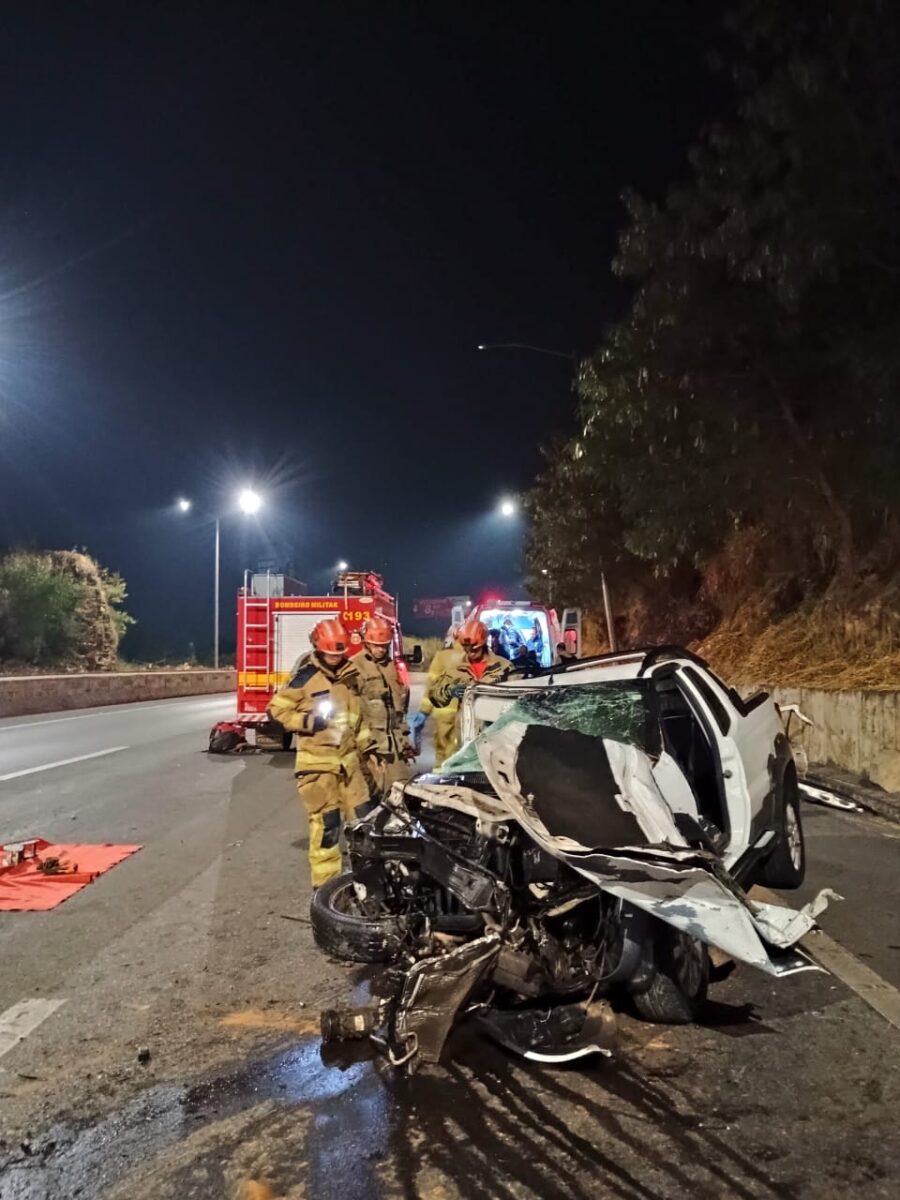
<point x="618" y="711"/>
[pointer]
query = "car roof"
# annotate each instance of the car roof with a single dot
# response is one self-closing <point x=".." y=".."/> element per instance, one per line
<point x="620" y="665"/>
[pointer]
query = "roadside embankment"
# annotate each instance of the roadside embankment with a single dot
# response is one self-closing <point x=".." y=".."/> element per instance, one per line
<point x="24" y="694"/>
<point x="855" y="731"/>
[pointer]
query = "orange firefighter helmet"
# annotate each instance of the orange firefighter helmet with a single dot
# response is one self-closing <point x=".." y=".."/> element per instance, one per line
<point x="378" y="631"/>
<point x="472" y="633"/>
<point x="329" y="637"/>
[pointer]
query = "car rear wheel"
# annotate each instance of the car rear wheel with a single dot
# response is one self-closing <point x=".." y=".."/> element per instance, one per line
<point x="341" y="929"/>
<point x="786" y="865"/>
<point x="679" y="984"/>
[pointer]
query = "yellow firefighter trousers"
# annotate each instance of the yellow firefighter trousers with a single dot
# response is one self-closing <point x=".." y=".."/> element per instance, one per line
<point x="330" y="798"/>
<point x="446" y="733"/>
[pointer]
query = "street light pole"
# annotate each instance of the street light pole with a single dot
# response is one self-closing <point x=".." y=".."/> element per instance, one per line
<point x="249" y="502"/>
<point x="216" y="605"/>
<point x="607" y="609"/>
<point x="570" y="355"/>
<point x="573" y="358"/>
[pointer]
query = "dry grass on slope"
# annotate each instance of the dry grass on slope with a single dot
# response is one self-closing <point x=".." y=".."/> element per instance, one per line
<point x="819" y="648"/>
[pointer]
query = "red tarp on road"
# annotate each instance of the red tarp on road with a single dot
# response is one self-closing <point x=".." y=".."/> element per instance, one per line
<point x="24" y="888"/>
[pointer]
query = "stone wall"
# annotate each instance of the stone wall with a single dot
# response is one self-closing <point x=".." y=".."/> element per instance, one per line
<point x="22" y="694"/>
<point x="859" y="731"/>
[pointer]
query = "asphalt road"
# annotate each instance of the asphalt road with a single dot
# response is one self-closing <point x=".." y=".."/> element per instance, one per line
<point x="197" y="951"/>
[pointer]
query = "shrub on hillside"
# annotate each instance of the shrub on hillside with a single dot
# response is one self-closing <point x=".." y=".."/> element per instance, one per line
<point x="60" y="608"/>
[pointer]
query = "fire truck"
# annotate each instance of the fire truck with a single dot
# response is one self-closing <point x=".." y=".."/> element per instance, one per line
<point x="274" y="620"/>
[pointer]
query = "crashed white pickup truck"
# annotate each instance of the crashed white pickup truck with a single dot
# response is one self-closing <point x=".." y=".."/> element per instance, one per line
<point x="594" y="836"/>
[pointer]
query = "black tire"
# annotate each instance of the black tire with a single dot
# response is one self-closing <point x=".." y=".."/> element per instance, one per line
<point x="343" y="933"/>
<point x="678" y="988"/>
<point x="786" y="865"/>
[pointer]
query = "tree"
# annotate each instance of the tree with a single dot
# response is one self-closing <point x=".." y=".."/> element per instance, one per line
<point x="756" y="371"/>
<point x="60" y="608"/>
<point x="38" y="609"/>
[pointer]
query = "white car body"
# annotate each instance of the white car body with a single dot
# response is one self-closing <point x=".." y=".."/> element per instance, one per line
<point x="747" y="737"/>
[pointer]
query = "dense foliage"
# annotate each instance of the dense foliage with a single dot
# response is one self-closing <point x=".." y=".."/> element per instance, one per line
<point x="754" y="382"/>
<point x="60" y="608"/>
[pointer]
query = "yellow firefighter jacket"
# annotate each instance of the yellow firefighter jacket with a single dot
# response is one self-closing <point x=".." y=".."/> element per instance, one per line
<point x="442" y="663"/>
<point x="456" y="673"/>
<point x="385" y="702"/>
<point x="322" y="706"/>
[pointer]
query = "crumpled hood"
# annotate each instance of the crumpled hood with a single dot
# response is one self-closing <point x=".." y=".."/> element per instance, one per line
<point x="593" y="801"/>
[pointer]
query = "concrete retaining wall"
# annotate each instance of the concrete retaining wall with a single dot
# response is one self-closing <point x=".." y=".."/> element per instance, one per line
<point x="859" y="731"/>
<point x="22" y="694"/>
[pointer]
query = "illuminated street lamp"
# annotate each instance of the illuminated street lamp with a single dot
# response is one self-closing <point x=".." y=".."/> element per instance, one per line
<point x="343" y="565"/>
<point x="508" y="507"/>
<point x="249" y="502"/>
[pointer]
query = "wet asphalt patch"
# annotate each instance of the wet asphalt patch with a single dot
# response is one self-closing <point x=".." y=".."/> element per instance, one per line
<point x="335" y="1123"/>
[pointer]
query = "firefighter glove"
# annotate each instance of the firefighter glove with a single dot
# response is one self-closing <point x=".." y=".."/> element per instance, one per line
<point x="416" y="725"/>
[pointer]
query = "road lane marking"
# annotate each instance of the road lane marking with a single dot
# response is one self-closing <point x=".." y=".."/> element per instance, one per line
<point x="868" y="985"/>
<point x="836" y="959"/>
<point x="23" y="1018"/>
<point x="63" y="762"/>
<point x="120" y="710"/>
<point x="51" y="721"/>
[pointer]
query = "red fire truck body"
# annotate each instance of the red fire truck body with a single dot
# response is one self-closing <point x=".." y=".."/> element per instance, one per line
<point x="274" y="621"/>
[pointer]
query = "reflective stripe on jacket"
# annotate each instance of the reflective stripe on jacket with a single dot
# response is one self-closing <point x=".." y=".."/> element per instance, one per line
<point x="322" y="706"/>
<point x="459" y="673"/>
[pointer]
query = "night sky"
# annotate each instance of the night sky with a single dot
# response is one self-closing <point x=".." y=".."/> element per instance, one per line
<point x="259" y="243"/>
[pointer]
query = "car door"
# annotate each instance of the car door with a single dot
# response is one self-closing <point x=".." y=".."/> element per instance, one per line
<point x="721" y="721"/>
<point x="753" y="726"/>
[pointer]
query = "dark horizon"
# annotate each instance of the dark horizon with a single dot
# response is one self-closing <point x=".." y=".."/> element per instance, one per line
<point x="261" y="246"/>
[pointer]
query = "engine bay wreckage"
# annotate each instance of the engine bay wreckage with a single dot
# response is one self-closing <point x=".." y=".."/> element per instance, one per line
<point x="547" y="869"/>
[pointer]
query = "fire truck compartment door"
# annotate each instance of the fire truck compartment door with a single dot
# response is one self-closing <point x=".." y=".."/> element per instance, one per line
<point x="292" y="630"/>
<point x="571" y="630"/>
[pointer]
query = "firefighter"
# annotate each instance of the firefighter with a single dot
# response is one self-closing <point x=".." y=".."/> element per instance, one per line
<point x="476" y="664"/>
<point x="321" y="704"/>
<point x="444" y="715"/>
<point x="385" y="702"/>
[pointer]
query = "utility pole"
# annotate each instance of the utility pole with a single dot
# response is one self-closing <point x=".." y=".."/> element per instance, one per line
<point x="216" y="604"/>
<point x="607" y="609"/>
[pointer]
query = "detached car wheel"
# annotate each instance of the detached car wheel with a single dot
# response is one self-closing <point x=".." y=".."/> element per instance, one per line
<point x="786" y="865"/>
<point x="678" y="987"/>
<point x="341" y="929"/>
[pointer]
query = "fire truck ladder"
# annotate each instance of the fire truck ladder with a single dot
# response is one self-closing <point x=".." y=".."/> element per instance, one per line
<point x="257" y="644"/>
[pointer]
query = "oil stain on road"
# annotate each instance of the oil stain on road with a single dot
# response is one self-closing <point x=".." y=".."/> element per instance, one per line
<point x="743" y="1106"/>
<point x="294" y="1125"/>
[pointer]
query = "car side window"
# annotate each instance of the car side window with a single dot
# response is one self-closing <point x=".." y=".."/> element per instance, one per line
<point x="716" y="707"/>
